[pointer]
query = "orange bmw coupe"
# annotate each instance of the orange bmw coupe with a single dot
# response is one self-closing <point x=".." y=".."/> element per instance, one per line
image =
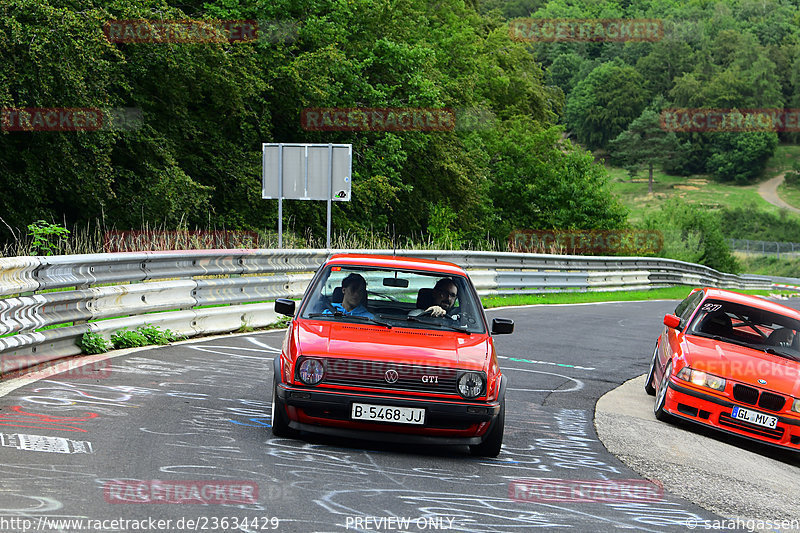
<point x="732" y="362"/>
<point x="394" y="349"/>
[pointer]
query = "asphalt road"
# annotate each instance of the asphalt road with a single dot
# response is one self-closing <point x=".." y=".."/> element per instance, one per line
<point x="769" y="192"/>
<point x="96" y="449"/>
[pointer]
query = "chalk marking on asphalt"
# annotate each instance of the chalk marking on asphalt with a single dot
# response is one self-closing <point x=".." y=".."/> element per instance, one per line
<point x="578" y="383"/>
<point x="518" y="360"/>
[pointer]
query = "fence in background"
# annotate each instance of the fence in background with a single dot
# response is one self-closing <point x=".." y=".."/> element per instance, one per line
<point x="778" y="249"/>
<point x="214" y="291"/>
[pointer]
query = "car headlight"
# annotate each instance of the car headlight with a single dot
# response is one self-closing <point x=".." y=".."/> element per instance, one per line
<point x="471" y="384"/>
<point x="796" y="406"/>
<point x="703" y="379"/>
<point x="311" y="371"/>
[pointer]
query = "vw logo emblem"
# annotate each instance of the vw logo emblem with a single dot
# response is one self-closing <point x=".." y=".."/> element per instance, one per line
<point x="762" y="381"/>
<point x="391" y="376"/>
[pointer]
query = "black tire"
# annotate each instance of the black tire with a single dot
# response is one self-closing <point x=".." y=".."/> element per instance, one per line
<point x="649" y="388"/>
<point x="279" y="421"/>
<point x="491" y="445"/>
<point x="661" y="395"/>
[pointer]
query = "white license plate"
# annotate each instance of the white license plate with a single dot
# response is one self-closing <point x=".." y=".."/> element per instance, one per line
<point x="388" y="413"/>
<point x="754" y="417"/>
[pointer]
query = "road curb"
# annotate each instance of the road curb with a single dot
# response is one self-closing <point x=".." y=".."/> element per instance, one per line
<point x="728" y="476"/>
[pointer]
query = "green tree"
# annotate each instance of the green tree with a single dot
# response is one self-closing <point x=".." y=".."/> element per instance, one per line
<point x="602" y="105"/>
<point x="644" y="143"/>
<point x="540" y="181"/>
<point x="740" y="157"/>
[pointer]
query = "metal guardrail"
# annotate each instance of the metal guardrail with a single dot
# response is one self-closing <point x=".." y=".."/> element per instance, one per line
<point x="107" y="292"/>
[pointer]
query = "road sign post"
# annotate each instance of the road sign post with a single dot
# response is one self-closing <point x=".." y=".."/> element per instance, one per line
<point x="296" y="171"/>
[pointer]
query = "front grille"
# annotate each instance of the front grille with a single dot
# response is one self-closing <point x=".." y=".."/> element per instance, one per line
<point x="360" y="373"/>
<point x="771" y="402"/>
<point x="745" y="394"/>
<point x="750" y="396"/>
<point x="726" y="420"/>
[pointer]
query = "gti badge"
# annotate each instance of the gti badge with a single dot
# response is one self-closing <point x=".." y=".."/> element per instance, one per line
<point x="391" y="376"/>
<point x="430" y="379"/>
<point x="762" y="381"/>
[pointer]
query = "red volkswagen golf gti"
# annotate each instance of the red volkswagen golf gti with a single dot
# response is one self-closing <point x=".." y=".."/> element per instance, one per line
<point x="732" y="362"/>
<point x="394" y="349"/>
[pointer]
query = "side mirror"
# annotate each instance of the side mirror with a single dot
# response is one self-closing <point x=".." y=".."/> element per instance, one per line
<point x="502" y="326"/>
<point x="284" y="306"/>
<point x="672" y="321"/>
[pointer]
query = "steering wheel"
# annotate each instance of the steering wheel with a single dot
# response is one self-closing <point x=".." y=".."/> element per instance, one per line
<point x="327" y="303"/>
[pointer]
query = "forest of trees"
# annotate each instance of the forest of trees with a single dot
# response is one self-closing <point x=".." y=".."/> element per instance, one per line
<point x="207" y="107"/>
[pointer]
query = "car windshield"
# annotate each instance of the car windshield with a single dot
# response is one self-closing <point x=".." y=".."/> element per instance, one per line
<point x="395" y="298"/>
<point x="748" y="326"/>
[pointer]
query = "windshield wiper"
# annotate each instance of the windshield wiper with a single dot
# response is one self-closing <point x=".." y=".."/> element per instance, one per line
<point x="462" y="329"/>
<point x="773" y="351"/>
<point x="727" y="339"/>
<point x="339" y="314"/>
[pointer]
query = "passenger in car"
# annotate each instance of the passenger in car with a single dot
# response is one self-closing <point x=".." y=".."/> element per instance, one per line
<point x="781" y="337"/>
<point x="354" y="296"/>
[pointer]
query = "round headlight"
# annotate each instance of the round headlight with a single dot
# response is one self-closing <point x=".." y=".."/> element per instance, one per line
<point x="311" y="371"/>
<point x="471" y="385"/>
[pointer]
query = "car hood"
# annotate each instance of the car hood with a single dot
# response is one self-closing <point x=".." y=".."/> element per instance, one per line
<point x="401" y="345"/>
<point x="746" y="365"/>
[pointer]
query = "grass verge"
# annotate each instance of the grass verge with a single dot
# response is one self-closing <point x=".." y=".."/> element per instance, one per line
<point x="699" y="189"/>
<point x="669" y="293"/>
<point x="789" y="194"/>
<point x="769" y="265"/>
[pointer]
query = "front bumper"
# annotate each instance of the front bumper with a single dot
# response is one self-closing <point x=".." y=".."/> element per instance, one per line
<point x="447" y="422"/>
<point x="710" y="410"/>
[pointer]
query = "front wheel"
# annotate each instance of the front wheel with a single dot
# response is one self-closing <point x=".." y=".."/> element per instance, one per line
<point x="280" y="423"/>
<point x="649" y="388"/>
<point x="491" y="445"/>
<point x="661" y="395"/>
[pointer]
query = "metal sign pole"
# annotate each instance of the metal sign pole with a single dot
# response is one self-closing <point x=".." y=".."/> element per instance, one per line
<point x="280" y="197"/>
<point x="299" y="173"/>
<point x="330" y="190"/>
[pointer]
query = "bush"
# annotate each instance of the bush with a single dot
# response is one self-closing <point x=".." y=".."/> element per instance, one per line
<point x="126" y="338"/>
<point x="154" y="335"/>
<point x="694" y="235"/>
<point x="92" y="343"/>
<point x="792" y="178"/>
<point x="46" y="238"/>
<point x="750" y="222"/>
<point x="740" y="157"/>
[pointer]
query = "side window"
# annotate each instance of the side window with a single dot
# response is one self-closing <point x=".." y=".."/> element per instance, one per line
<point x="683" y="305"/>
<point x="691" y="304"/>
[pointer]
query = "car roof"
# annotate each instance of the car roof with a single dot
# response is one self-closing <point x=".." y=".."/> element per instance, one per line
<point x="752" y="301"/>
<point x="394" y="261"/>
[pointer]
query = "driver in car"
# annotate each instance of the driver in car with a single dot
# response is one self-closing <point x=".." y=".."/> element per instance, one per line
<point x="445" y="293"/>
<point x="354" y="294"/>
